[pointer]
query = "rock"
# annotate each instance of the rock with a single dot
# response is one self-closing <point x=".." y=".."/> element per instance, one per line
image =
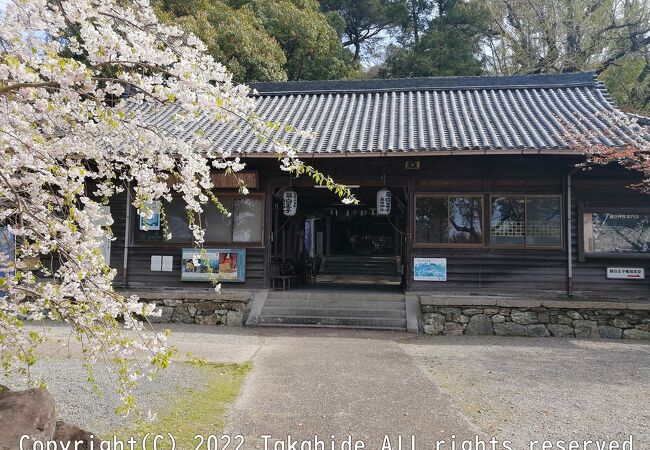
<point x="620" y="323"/>
<point x="523" y="317"/>
<point x="433" y="323"/>
<point x="173" y="302"/>
<point x="208" y="307"/>
<point x="479" y="324"/>
<point x="509" y="329"/>
<point x="472" y="311"/>
<point x="460" y="318"/>
<point x="607" y="332"/>
<point x="4" y="388"/>
<point x="536" y="330"/>
<point x="234" y="319"/>
<point x="65" y="432"/>
<point x="192" y="310"/>
<point x="573" y="315"/>
<point x="182" y="314"/>
<point x="543" y="317"/>
<point x="165" y="315"/>
<point x="498" y="318"/>
<point x="30" y="412"/>
<point x="586" y="329"/>
<point x="633" y="333"/>
<point x="559" y="330"/>
<point x="452" y="328"/>
<point x="491" y="311"/>
<point x="206" y="320"/>
<point x="445" y="310"/>
<point x="643" y="327"/>
<point x="564" y="320"/>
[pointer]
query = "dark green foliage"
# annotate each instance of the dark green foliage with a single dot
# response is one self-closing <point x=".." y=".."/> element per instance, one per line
<point x="450" y="45"/>
<point x="266" y="40"/>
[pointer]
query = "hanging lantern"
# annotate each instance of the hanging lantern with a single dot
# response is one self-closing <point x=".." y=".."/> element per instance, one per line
<point x="289" y="203"/>
<point x="384" y="198"/>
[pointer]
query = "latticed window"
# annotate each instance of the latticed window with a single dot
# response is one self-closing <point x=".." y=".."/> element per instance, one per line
<point x="527" y="221"/>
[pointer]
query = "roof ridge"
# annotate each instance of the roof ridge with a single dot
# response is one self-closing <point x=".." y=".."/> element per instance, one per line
<point x="426" y="83"/>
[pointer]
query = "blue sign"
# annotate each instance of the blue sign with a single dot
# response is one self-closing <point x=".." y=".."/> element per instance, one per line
<point x="7" y="249"/>
<point x="430" y="269"/>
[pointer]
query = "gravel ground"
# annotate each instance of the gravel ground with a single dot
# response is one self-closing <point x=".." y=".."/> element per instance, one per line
<point x="526" y="389"/>
<point x="77" y="404"/>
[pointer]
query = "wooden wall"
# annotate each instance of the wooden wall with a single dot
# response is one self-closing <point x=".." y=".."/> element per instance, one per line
<point x="476" y="270"/>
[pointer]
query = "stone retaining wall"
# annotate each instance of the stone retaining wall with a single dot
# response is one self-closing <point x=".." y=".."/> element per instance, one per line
<point x="537" y="318"/>
<point x="227" y="307"/>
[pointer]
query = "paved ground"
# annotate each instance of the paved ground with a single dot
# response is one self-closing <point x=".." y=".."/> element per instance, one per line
<point x="369" y="384"/>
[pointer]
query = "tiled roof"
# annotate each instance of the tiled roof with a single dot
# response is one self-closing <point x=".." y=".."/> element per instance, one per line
<point x="494" y="114"/>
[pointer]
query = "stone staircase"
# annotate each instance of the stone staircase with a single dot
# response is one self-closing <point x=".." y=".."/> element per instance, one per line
<point x="382" y="270"/>
<point x="383" y="311"/>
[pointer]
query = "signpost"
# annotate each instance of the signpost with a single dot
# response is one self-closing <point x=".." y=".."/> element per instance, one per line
<point x="626" y="273"/>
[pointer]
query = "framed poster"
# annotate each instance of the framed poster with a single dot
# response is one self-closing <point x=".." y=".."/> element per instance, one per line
<point x="430" y="269"/>
<point x="226" y="264"/>
<point x="152" y="224"/>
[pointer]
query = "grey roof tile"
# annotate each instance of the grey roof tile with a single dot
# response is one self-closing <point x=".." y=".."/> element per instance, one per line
<point x="421" y="115"/>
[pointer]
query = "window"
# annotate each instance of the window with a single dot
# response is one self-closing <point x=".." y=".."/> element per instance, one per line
<point x="616" y="232"/>
<point x="244" y="226"/>
<point x="449" y="220"/>
<point x="526" y="221"/>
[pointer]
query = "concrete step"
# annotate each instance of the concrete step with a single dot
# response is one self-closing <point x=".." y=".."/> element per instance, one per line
<point x="352" y="322"/>
<point x="282" y="311"/>
<point x="343" y="303"/>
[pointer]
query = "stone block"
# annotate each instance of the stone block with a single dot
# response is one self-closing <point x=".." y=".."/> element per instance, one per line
<point x="472" y="311"/>
<point x="543" y="317"/>
<point x="563" y="331"/>
<point x="172" y="302"/>
<point x="575" y="315"/>
<point x="479" y="324"/>
<point x="206" y="320"/>
<point x="432" y="329"/>
<point x="509" y="329"/>
<point x="643" y="327"/>
<point x="208" y="307"/>
<point x="234" y="318"/>
<point x="621" y="323"/>
<point x="586" y="329"/>
<point x="564" y="320"/>
<point x="498" y="318"/>
<point x="633" y="333"/>
<point x="182" y="314"/>
<point x="491" y="311"/>
<point x="608" y="332"/>
<point x="523" y="317"/>
<point x="164" y="317"/>
<point x="519" y="302"/>
<point x="452" y="328"/>
<point x="536" y="330"/>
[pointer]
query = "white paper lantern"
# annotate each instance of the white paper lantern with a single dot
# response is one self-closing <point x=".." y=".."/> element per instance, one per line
<point x="384" y="200"/>
<point x="290" y="203"/>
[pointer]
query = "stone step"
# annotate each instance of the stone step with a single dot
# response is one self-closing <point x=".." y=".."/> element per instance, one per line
<point x="349" y="322"/>
<point x="336" y="295"/>
<point x="336" y="303"/>
<point x="333" y="312"/>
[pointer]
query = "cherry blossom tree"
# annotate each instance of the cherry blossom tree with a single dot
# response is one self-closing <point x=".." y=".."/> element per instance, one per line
<point x="73" y="74"/>
<point x="604" y="145"/>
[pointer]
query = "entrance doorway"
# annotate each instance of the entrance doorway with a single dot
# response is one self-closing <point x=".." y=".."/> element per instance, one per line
<point x="332" y="244"/>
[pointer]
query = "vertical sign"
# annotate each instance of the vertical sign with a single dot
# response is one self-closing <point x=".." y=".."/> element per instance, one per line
<point x="310" y="225"/>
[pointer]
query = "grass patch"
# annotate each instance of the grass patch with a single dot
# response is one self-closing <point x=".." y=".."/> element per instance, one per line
<point x="196" y="411"/>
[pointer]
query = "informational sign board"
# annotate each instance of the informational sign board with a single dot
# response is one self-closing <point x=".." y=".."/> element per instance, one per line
<point x="430" y="269"/>
<point x="626" y="273"/>
<point x="226" y="264"/>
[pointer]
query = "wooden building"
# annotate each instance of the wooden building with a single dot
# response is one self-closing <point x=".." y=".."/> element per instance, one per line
<point x="486" y="197"/>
